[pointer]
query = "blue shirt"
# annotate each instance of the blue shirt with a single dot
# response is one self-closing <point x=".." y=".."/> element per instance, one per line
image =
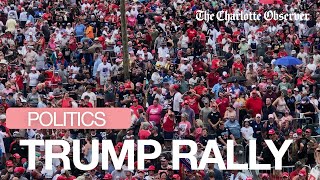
<point x="79" y="30"/>
<point x="95" y="66"/>
<point x="235" y="89"/>
<point x="234" y="128"/>
<point x="216" y="89"/>
<point x="190" y="113"/>
<point x="168" y="79"/>
<point x="89" y="40"/>
<point x="31" y="19"/>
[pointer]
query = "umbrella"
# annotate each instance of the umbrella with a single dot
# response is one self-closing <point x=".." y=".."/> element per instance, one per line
<point x="288" y="61"/>
<point x="236" y="78"/>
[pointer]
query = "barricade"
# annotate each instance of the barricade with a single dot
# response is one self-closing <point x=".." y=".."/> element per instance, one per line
<point x="301" y="122"/>
<point x="274" y="174"/>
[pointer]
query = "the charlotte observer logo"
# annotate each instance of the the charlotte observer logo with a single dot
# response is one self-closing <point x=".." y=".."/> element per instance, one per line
<point x="250" y="16"/>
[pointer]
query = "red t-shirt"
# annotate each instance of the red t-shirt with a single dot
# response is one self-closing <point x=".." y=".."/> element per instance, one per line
<point x="89" y="104"/>
<point x="238" y="65"/>
<point x="66" y="103"/>
<point x="215" y="63"/>
<point x="193" y="103"/>
<point x="19" y="80"/>
<point x="235" y="36"/>
<point x="168" y="124"/>
<point x="135" y="109"/>
<point x="203" y="38"/>
<point x="282" y="54"/>
<point x="213" y="79"/>
<point x="268" y="75"/>
<point x="199" y="89"/>
<point x="191" y="33"/>
<point x="223" y="104"/>
<point x="144" y="134"/>
<point x="197" y="66"/>
<point x="219" y="38"/>
<point x="254" y="104"/>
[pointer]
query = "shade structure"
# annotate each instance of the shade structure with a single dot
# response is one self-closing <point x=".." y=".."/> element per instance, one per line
<point x="288" y="61"/>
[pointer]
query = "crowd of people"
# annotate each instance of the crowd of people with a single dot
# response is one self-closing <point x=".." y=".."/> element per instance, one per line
<point x="189" y="79"/>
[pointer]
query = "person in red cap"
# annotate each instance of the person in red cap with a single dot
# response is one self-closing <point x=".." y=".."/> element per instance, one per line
<point x="107" y="177"/>
<point x="302" y="175"/>
<point x="151" y="172"/>
<point x="17" y="158"/>
<point x="299" y="132"/>
<point x="176" y="177"/>
<point x="18" y="172"/>
<point x="264" y="176"/>
<point x="285" y="176"/>
<point x="136" y="108"/>
<point x="193" y="100"/>
<point x="9" y="168"/>
<point x="254" y="104"/>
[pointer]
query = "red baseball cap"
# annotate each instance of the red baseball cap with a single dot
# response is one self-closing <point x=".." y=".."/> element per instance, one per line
<point x="265" y="175"/>
<point x="271" y="132"/>
<point x="19" y="170"/>
<point x="285" y="174"/>
<point x="151" y="168"/>
<point x="302" y="172"/>
<point x="9" y="163"/>
<point x="176" y="176"/>
<point x="107" y="177"/>
<point x="17" y="156"/>
<point x="299" y="131"/>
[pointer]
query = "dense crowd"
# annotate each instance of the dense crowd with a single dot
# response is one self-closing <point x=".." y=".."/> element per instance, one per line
<point x="189" y="79"/>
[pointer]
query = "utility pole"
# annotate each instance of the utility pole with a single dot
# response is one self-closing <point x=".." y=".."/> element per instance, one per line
<point x="124" y="36"/>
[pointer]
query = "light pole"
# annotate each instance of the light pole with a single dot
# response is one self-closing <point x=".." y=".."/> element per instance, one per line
<point x="124" y="36"/>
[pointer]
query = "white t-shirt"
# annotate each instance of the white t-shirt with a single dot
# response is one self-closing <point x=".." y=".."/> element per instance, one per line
<point x="92" y="96"/>
<point x="2" y="135"/>
<point x="75" y="70"/>
<point x="33" y="79"/>
<point x="314" y="173"/>
<point x="193" y="81"/>
<point x="184" y="41"/>
<point x="104" y="69"/>
<point x="247" y="132"/>
<point x="176" y="101"/>
<point x="156" y="78"/>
